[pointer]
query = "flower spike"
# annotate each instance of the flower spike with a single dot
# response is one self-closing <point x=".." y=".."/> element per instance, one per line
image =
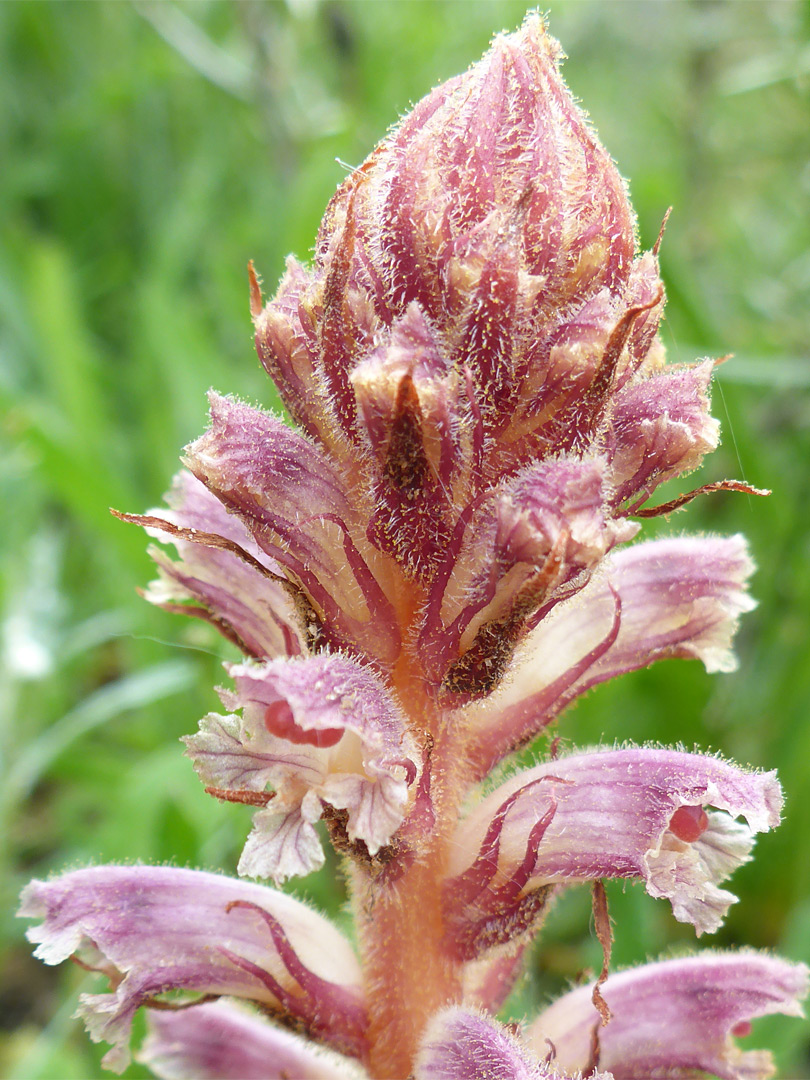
<point x="421" y="574"/>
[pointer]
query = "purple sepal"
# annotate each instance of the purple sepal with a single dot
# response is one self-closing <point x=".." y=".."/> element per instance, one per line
<point x="535" y="535"/>
<point x="250" y="608"/>
<point x="660" y="427"/>
<point x="464" y="1045"/>
<point x="155" y="929"/>
<point x="488" y="905"/>
<point x="675" y="1018"/>
<point x="662" y="816"/>
<point x="323" y="729"/>
<point x="223" y="1041"/>
<point x="323" y="1003"/>
<point x="292" y="498"/>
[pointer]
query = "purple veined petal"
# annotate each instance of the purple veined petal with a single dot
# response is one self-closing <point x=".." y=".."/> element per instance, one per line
<point x="660" y="427"/>
<point x="675" y="1018"/>
<point x="284" y="843"/>
<point x="674" y="597"/>
<point x="292" y="498"/>
<point x="263" y="465"/>
<point x="154" y="929"/>
<point x="461" y="1044"/>
<point x="559" y="499"/>
<point x="662" y="816"/>
<point x="319" y="730"/>
<point x="249" y="608"/>
<point x="222" y="1041"/>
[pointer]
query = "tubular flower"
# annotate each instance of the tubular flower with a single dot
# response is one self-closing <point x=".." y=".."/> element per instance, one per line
<point x="680" y="1017"/>
<point x="629" y="813"/>
<point x="152" y="929"/>
<point x="233" y="585"/>
<point x="421" y="575"/>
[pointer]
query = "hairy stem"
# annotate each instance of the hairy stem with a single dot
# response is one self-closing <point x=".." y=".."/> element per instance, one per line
<point x="409" y="974"/>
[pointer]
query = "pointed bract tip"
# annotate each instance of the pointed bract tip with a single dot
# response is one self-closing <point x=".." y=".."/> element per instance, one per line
<point x="657" y="246"/>
<point x="255" y="291"/>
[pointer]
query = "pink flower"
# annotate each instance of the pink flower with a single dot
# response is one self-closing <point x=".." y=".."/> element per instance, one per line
<point x="661" y="816"/>
<point x="151" y="929"/>
<point x="322" y="730"/>
<point x="680" y="1015"/>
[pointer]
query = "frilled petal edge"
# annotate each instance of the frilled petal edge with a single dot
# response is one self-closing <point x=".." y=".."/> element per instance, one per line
<point x="319" y="730"/>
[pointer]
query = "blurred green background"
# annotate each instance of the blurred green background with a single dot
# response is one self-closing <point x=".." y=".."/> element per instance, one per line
<point x="148" y="151"/>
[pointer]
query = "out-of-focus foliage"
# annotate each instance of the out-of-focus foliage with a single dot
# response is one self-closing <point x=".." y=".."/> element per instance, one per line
<point x="149" y="150"/>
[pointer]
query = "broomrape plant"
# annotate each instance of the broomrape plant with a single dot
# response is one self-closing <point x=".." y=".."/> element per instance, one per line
<point x="422" y="573"/>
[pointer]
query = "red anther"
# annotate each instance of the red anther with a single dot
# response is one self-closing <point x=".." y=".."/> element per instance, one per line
<point x="279" y="720"/>
<point x="689" y="823"/>
<point x="742" y="1029"/>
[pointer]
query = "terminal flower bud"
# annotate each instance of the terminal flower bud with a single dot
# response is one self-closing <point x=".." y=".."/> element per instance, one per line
<point x="492" y="206"/>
